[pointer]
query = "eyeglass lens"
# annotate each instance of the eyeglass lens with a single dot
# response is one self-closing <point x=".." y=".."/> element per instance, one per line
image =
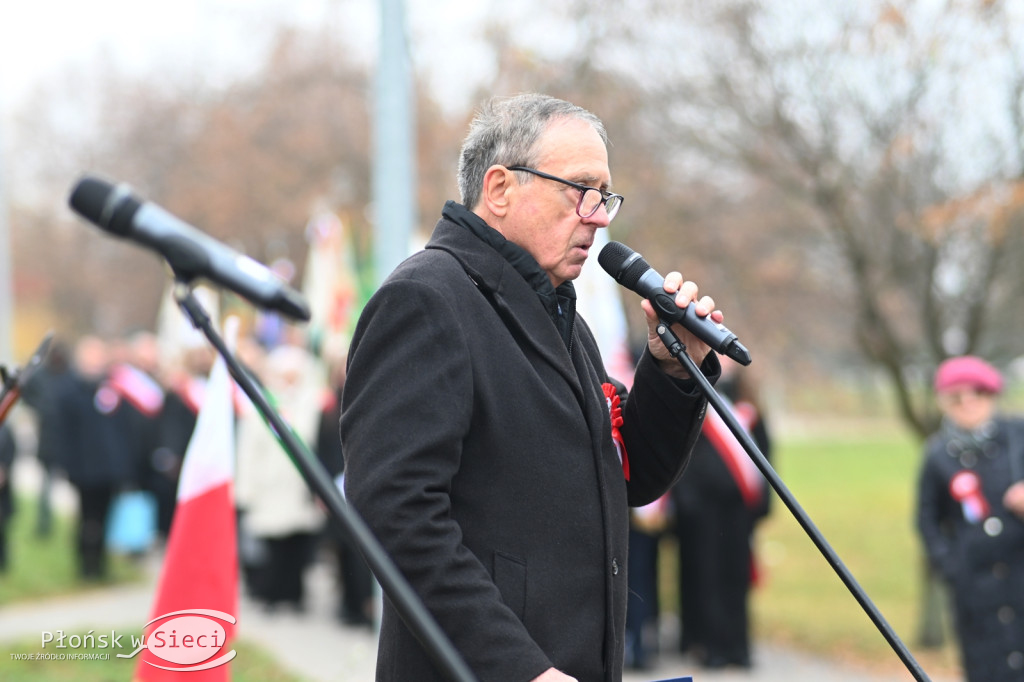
<point x="591" y="200"/>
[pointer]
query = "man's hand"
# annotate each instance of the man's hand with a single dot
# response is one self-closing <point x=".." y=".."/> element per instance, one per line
<point x="686" y="293"/>
<point x="1014" y="499"/>
<point x="552" y="675"/>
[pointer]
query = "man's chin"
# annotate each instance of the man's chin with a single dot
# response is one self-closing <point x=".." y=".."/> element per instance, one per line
<point x="572" y="272"/>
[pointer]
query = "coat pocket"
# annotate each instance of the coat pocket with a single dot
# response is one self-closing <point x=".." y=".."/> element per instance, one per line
<point x="510" y="577"/>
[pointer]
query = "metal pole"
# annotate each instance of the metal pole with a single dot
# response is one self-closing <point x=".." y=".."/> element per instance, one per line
<point x="394" y="171"/>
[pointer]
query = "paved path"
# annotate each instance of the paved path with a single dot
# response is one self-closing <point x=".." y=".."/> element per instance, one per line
<point x="316" y="647"/>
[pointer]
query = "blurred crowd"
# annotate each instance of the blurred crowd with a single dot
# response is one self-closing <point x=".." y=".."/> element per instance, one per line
<point x="114" y="416"/>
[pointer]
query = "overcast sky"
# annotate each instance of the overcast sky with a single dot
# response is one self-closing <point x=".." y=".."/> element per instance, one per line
<point x="40" y="39"/>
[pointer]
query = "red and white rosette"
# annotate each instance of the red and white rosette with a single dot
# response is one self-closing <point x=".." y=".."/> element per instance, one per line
<point x="965" y="488"/>
<point x="611" y="396"/>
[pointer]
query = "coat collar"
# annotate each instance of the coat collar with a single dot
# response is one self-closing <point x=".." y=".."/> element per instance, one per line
<point x="560" y="302"/>
<point x="523" y="312"/>
<point x="523" y="308"/>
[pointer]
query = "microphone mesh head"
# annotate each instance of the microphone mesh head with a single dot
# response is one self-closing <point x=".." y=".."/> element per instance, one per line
<point x="612" y="256"/>
<point x="634" y="271"/>
<point x="109" y="207"/>
<point x="89" y="197"/>
<point x="623" y="263"/>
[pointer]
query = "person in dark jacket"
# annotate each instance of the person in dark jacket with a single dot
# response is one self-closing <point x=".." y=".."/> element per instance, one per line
<point x="100" y="450"/>
<point x="718" y="503"/>
<point x="970" y="513"/>
<point x="484" y="443"/>
<point x="40" y="394"/>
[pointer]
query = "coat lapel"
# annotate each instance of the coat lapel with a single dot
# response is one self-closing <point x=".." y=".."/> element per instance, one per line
<point x="511" y="296"/>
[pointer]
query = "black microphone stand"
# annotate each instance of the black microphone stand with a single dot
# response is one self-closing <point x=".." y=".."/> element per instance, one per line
<point x="406" y="601"/>
<point x="677" y="350"/>
<point x="12" y="383"/>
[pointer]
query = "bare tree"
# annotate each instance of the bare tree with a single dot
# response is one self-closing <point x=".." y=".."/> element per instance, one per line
<point x="248" y="164"/>
<point x="894" y="129"/>
<point x="857" y="115"/>
<point x="734" y="233"/>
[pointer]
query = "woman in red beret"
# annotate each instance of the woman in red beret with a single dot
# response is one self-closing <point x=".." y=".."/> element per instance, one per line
<point x="971" y="517"/>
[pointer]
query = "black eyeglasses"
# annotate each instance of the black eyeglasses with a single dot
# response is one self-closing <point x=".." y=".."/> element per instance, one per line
<point x="591" y="198"/>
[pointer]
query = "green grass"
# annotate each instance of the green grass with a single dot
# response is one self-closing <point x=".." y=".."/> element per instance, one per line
<point x="46" y="567"/>
<point x="860" y="493"/>
<point x="250" y="665"/>
<point x="857" y="489"/>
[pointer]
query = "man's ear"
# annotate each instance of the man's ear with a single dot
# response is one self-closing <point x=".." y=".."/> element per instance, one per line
<point x="498" y="185"/>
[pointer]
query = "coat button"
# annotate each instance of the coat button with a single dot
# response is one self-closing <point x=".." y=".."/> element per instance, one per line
<point x="1015" y="660"/>
<point x="1006" y="615"/>
<point x="615" y="566"/>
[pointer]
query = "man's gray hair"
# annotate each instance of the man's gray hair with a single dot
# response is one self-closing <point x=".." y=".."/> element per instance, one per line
<point x="505" y="131"/>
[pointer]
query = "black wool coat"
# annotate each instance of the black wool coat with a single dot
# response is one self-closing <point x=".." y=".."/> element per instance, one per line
<point x="479" y="450"/>
<point x="981" y="558"/>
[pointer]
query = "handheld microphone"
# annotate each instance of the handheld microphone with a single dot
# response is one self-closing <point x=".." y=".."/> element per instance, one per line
<point x="628" y="268"/>
<point x="190" y="252"/>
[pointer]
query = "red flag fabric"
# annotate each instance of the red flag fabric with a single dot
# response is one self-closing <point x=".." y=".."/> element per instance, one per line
<point x="194" y="614"/>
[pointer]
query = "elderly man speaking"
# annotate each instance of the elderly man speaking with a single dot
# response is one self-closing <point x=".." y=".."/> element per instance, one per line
<point x="485" y="444"/>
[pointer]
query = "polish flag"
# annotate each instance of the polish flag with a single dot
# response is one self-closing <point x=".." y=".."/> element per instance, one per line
<point x="196" y="606"/>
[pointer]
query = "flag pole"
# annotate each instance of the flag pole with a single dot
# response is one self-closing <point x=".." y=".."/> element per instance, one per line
<point x="405" y="599"/>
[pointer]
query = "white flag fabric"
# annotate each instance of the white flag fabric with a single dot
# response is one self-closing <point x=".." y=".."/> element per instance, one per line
<point x="599" y="301"/>
<point x="209" y="460"/>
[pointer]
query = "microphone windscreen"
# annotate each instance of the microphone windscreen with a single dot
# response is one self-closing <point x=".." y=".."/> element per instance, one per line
<point x="612" y="256"/>
<point x="636" y="269"/>
<point x="89" y="197"/>
<point x="109" y="207"/>
<point x="624" y="264"/>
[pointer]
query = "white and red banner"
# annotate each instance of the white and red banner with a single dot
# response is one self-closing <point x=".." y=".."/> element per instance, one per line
<point x="330" y="284"/>
<point x="194" y="613"/>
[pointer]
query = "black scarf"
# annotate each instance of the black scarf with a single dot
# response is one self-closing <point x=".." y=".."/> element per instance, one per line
<point x="970" y="445"/>
<point x="560" y="303"/>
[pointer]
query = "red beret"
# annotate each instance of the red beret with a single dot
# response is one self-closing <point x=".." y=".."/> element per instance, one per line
<point x="970" y="371"/>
